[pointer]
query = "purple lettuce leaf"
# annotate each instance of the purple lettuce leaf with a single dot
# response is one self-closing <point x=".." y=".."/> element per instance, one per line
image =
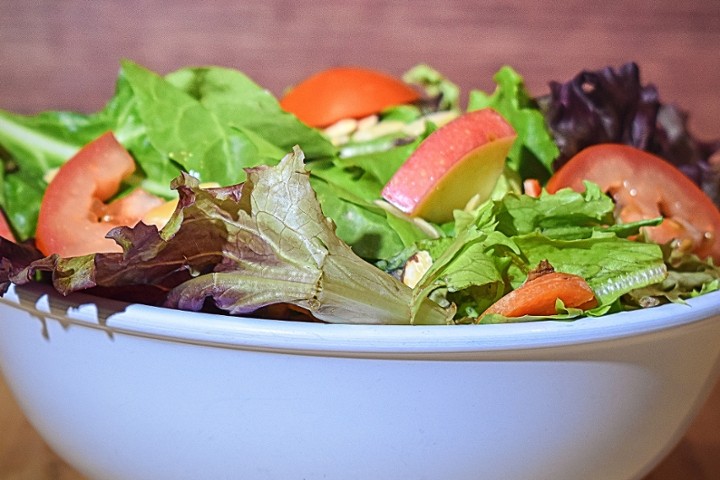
<point x="280" y="248"/>
<point x="238" y="249"/>
<point x="14" y="261"/>
<point x="613" y="106"/>
<point x="601" y="106"/>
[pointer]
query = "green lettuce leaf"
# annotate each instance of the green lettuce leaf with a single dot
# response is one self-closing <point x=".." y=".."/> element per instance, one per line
<point x="495" y="247"/>
<point x="471" y="265"/>
<point x="534" y="151"/>
<point x="189" y="134"/>
<point x="239" y="102"/>
<point x="564" y="215"/>
<point x="435" y="84"/>
<point x="348" y="188"/>
<point x="688" y="276"/>
<point x="631" y="264"/>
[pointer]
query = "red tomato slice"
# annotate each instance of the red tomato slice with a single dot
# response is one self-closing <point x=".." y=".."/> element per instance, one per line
<point x="73" y="217"/>
<point x="5" y="230"/>
<point x="646" y="186"/>
<point x="345" y="92"/>
<point x="531" y="187"/>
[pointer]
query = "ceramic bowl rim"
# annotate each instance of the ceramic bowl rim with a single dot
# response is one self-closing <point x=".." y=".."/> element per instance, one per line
<point x="164" y="324"/>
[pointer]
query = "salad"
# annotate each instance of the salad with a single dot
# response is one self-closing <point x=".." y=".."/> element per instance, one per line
<point x="358" y="197"/>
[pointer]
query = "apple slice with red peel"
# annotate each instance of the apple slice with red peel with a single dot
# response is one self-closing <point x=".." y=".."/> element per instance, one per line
<point x="459" y="161"/>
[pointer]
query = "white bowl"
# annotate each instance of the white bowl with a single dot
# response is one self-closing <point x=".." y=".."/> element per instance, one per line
<point x="126" y="391"/>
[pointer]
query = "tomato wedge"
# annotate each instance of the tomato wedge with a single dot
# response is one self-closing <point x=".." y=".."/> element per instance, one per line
<point x="73" y="217"/>
<point x="345" y="92"/>
<point x="645" y="186"/>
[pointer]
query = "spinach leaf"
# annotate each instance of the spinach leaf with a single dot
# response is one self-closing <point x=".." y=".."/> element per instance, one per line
<point x="187" y="133"/>
<point x="239" y="102"/>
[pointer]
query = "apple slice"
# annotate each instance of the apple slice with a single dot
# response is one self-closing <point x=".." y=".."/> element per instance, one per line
<point x="459" y="161"/>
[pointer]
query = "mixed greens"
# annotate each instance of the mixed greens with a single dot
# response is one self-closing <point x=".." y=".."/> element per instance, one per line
<point x="299" y="220"/>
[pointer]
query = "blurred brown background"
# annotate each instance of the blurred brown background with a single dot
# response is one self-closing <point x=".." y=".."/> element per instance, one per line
<point x="64" y="54"/>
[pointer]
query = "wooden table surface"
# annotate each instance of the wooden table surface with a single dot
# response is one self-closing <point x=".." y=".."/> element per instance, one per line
<point x="65" y="55"/>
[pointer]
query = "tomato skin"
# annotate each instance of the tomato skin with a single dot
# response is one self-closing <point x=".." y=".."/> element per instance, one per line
<point x="345" y="92"/>
<point x="5" y="230"/>
<point x="73" y="218"/>
<point x="645" y="186"/>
